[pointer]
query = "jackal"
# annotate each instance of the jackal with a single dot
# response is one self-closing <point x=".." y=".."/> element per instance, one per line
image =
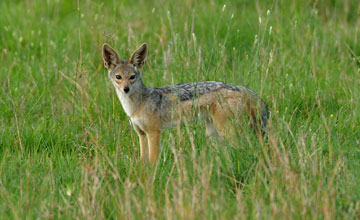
<point x="153" y="109"/>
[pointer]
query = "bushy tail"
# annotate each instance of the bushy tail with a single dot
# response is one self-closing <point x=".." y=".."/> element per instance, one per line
<point x="259" y="123"/>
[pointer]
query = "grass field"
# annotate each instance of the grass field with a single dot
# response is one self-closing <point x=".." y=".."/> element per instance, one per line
<point x="68" y="151"/>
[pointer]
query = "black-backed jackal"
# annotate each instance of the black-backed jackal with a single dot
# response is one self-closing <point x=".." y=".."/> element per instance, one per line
<point x="153" y="109"/>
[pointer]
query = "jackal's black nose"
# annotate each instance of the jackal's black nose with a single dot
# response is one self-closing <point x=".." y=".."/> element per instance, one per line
<point x="126" y="89"/>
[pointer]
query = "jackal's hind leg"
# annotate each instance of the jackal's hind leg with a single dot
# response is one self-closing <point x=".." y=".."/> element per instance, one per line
<point x="223" y="121"/>
<point x="210" y="129"/>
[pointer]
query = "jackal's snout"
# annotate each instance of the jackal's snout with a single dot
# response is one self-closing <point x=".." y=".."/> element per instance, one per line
<point x="126" y="89"/>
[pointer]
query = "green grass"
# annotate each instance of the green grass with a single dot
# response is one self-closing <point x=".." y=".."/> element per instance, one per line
<point x="68" y="151"/>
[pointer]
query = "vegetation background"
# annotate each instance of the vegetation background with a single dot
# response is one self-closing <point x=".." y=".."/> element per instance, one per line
<point x="67" y="149"/>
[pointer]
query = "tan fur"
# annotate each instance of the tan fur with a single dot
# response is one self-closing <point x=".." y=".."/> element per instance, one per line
<point x="220" y="107"/>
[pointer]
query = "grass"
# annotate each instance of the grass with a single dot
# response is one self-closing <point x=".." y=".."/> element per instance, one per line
<point x="67" y="149"/>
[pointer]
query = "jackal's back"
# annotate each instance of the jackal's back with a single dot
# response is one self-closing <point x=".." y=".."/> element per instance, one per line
<point x="191" y="90"/>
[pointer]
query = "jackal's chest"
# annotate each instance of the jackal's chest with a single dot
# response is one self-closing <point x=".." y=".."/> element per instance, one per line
<point x="126" y="102"/>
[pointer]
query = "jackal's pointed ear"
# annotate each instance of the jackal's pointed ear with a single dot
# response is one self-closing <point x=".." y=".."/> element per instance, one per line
<point x="138" y="57"/>
<point x="111" y="58"/>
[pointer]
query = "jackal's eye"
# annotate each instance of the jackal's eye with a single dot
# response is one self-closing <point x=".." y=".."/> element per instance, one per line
<point x="132" y="77"/>
<point x="118" y="76"/>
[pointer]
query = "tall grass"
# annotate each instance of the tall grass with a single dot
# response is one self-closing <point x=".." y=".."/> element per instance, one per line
<point x="67" y="149"/>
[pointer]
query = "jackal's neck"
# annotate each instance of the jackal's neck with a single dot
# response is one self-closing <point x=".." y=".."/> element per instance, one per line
<point x="142" y="91"/>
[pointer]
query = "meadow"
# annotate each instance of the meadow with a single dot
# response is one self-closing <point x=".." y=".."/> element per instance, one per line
<point x="68" y="150"/>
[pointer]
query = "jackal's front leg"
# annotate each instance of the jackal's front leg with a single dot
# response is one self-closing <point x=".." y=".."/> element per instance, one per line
<point x="143" y="144"/>
<point x="153" y="138"/>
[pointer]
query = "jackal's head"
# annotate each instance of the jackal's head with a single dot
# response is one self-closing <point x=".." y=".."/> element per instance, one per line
<point x="125" y="74"/>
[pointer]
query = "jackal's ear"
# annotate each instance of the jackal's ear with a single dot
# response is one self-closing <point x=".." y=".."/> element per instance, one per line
<point x="138" y="57"/>
<point x="111" y="58"/>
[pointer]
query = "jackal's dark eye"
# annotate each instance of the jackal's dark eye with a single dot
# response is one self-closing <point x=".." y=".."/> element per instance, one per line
<point x="132" y="77"/>
<point x="118" y="76"/>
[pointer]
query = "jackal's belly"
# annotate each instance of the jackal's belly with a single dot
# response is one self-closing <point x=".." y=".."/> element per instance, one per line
<point x="179" y="117"/>
<point x="170" y="124"/>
